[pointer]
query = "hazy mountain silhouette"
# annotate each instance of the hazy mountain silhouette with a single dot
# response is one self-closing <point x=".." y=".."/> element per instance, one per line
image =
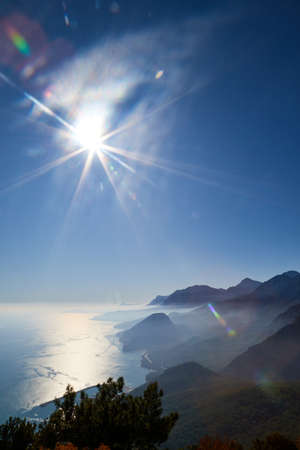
<point x="197" y="295"/>
<point x="246" y="286"/>
<point x="285" y="318"/>
<point x="158" y="300"/>
<point x="154" y="331"/>
<point x="284" y="287"/>
<point x="214" y="353"/>
<point x="183" y="376"/>
<point x="214" y="404"/>
<point x="280" y="291"/>
<point x="249" y="315"/>
<point x="276" y="358"/>
<point x="289" y="316"/>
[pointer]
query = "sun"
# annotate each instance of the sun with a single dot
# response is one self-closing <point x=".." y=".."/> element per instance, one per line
<point x="88" y="131"/>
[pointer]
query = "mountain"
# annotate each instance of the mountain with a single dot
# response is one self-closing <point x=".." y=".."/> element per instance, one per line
<point x="219" y="405"/>
<point x="284" y="318"/>
<point x="197" y="295"/>
<point x="158" y="300"/>
<point x="194" y="295"/>
<point x="284" y="287"/>
<point x="251" y="317"/>
<point x="214" y="353"/>
<point x="244" y="287"/>
<point x="276" y="358"/>
<point x="280" y="291"/>
<point x="154" y="331"/>
<point x="182" y="377"/>
<point x="288" y="316"/>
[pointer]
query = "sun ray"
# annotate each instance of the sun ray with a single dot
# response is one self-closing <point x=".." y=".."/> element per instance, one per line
<point x="83" y="176"/>
<point x="42" y="170"/>
<point x="49" y="111"/>
<point x="84" y="130"/>
<point x="157" y="164"/>
<point x="127" y="154"/>
<point x="38" y="103"/>
<point x="131" y="169"/>
<point x="138" y="120"/>
<point x="102" y="158"/>
<point x="122" y="163"/>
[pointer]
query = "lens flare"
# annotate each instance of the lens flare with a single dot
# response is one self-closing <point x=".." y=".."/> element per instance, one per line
<point x="18" y="40"/>
<point x="159" y="74"/>
<point x="231" y="332"/>
<point x="222" y="321"/>
<point x="90" y="131"/>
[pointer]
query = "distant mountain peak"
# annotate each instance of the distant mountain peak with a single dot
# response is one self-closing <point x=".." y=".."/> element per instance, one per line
<point x="153" y="331"/>
<point x="291" y="273"/>
<point x="284" y="287"/>
<point x="201" y="294"/>
<point x="244" y="287"/>
<point x="191" y="368"/>
<point x="247" y="281"/>
<point x="156" y="318"/>
<point x="158" y="300"/>
<point x="282" y="364"/>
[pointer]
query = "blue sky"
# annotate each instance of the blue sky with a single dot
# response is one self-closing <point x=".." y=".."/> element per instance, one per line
<point x="204" y="97"/>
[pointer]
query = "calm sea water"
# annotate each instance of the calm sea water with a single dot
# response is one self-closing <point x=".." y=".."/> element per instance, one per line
<point x="43" y="348"/>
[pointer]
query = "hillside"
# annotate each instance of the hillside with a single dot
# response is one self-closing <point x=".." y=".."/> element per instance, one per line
<point x="197" y="295"/>
<point x="261" y="306"/>
<point x="154" y="331"/>
<point x="208" y="403"/>
<point x="182" y="377"/>
<point x="276" y="358"/>
<point x="274" y="295"/>
<point x="246" y="286"/>
<point x="253" y="318"/>
<point x="158" y="300"/>
<point x="214" y="353"/>
<point x="287" y="317"/>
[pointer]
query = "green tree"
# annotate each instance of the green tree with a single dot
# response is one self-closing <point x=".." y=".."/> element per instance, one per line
<point x="208" y="443"/>
<point x="114" y="418"/>
<point x="274" y="441"/>
<point x="16" y="434"/>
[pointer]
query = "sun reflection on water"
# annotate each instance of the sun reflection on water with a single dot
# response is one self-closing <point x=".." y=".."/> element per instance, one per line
<point x="49" y="347"/>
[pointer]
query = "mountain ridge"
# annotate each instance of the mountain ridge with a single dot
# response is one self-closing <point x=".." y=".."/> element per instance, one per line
<point x="275" y="358"/>
<point x="198" y="294"/>
<point x="214" y="404"/>
<point x="250" y="316"/>
<point x="149" y="333"/>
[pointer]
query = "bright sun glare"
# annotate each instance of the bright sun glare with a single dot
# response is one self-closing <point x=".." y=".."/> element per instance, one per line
<point x="89" y="130"/>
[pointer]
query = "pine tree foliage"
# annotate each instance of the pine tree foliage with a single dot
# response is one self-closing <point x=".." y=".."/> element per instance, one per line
<point x="274" y="441"/>
<point x="112" y="418"/>
<point x="16" y="434"/>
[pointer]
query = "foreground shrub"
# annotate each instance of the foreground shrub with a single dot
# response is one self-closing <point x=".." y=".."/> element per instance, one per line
<point x="208" y="443"/>
<point x="275" y="441"/>
<point x="16" y="434"/>
<point x="69" y="446"/>
<point x="113" y="419"/>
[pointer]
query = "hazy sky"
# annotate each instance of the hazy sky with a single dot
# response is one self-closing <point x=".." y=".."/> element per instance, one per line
<point x="202" y="99"/>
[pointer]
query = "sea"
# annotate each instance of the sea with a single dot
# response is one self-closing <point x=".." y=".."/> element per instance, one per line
<point x="43" y="348"/>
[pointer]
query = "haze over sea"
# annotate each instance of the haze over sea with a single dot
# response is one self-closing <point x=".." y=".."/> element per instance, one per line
<point x="43" y="348"/>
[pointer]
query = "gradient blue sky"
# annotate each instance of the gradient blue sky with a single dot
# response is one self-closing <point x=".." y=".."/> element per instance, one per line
<point x="226" y="208"/>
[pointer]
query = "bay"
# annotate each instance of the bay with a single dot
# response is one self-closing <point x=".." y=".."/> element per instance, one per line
<point x="45" y="347"/>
